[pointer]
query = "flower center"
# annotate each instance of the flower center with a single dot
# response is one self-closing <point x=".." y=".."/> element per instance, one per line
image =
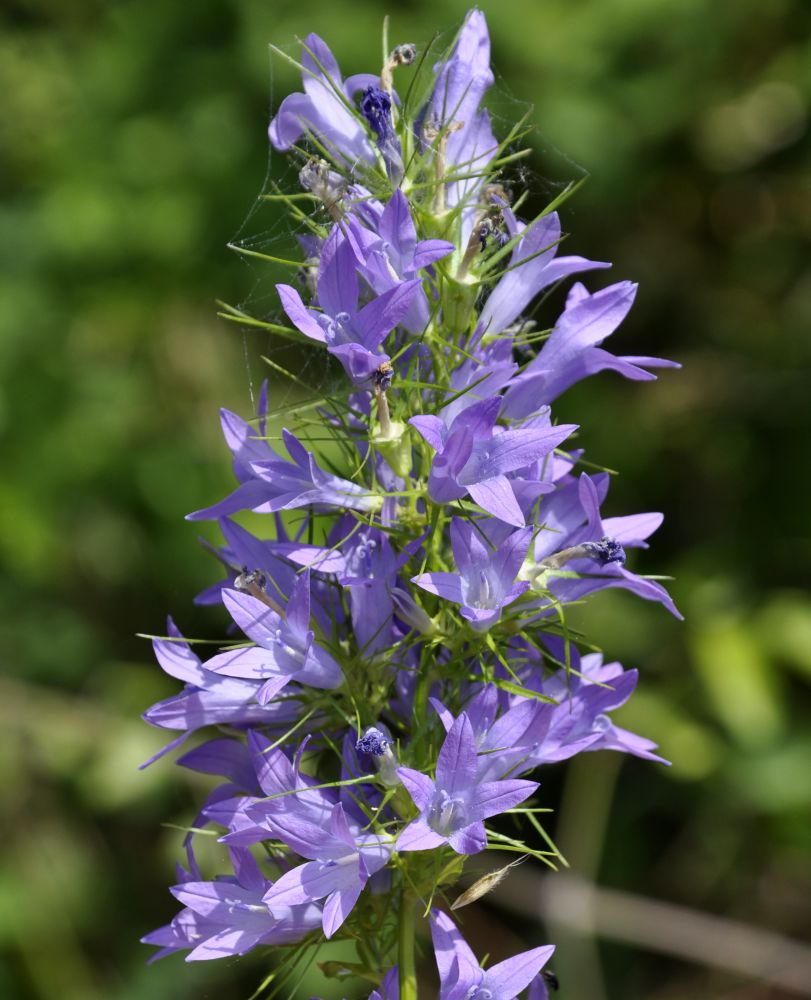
<point x="447" y="813"/>
<point x="479" y="993"/>
<point x="483" y="597"/>
<point x="278" y="640"/>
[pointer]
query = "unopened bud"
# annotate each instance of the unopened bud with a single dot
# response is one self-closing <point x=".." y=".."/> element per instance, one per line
<point x="410" y="612"/>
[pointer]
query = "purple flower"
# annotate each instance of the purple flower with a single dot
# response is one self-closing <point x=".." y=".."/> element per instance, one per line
<point x="531" y="733"/>
<point x="341" y="864"/>
<point x="534" y="265"/>
<point x="485" y="582"/>
<point x="454" y="805"/>
<point x="228" y="916"/>
<point x="461" y="83"/>
<point x="473" y="457"/>
<point x="628" y="531"/>
<point x="287" y="791"/>
<point x="461" y="977"/>
<point x="278" y="484"/>
<point x="243" y="550"/>
<point x="579" y="722"/>
<point x="351" y="333"/>
<point x="324" y="107"/>
<point x="501" y="739"/>
<point x="285" y="649"/>
<point x="208" y="699"/>
<point x="392" y="254"/>
<point x="572" y="352"/>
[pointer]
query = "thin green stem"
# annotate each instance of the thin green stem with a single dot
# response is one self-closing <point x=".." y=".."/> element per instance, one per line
<point x="405" y="946"/>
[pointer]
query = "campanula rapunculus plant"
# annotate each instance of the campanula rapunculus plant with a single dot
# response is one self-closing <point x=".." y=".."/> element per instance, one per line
<point x="398" y="669"/>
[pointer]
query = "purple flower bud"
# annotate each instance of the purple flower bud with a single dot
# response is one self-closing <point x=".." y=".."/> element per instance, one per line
<point x="410" y="612"/>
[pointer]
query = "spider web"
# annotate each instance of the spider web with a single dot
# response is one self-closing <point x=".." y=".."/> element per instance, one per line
<point x="543" y="176"/>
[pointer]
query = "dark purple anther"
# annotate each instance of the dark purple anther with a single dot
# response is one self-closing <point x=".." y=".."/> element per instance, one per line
<point x="607" y="550"/>
<point x="375" y="106"/>
<point x="372" y="742"/>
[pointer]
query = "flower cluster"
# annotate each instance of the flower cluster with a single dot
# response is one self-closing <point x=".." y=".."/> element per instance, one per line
<point x="399" y="666"/>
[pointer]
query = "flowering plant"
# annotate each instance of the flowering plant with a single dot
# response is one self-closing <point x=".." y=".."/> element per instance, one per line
<point x="403" y="665"/>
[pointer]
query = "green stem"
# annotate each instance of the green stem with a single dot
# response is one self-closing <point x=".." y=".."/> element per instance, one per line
<point x="405" y="950"/>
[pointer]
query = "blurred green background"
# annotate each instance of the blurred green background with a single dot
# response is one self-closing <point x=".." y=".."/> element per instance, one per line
<point x="133" y="139"/>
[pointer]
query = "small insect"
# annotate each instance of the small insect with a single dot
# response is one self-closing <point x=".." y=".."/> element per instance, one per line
<point x="551" y="979"/>
<point x="484" y="885"/>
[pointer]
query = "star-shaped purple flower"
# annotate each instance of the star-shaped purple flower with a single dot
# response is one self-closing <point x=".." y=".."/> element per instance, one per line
<point x="393" y="254"/>
<point x="462" y="978"/>
<point x="341" y="864"/>
<point x="351" y="332"/>
<point x="228" y="916"/>
<point x="474" y="456"/>
<point x="572" y="352"/>
<point x="323" y="107"/>
<point x="485" y="582"/>
<point x="453" y="807"/>
<point x="285" y="649"/>
<point x="269" y="483"/>
<point x="208" y="699"/>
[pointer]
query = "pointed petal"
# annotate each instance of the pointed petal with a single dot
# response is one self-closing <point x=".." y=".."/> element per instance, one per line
<point x="418" y="785"/>
<point x="446" y="585"/>
<point x="432" y="429"/>
<point x="259" y="622"/>
<point x="418" y="836"/>
<point x="470" y="839"/>
<point x="299" y="315"/>
<point x="429" y="251"/>
<point x="495" y="797"/>
<point x="247" y="496"/>
<point x="297" y="613"/>
<point x="509" y="978"/>
<point x="456" y="762"/>
<point x="496" y="496"/>
<point x="338" y="907"/>
<point x="450" y="947"/>
<point x="383" y="313"/>
<point x="512" y="450"/>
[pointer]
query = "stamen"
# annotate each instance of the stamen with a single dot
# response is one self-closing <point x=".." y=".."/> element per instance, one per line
<point x="376" y="108"/>
<point x="607" y="550"/>
<point x="325" y="184"/>
<point x="254" y="582"/>
<point x="372" y="742"/>
<point x="382" y="379"/>
<point x="433" y="133"/>
<point x="401" y="55"/>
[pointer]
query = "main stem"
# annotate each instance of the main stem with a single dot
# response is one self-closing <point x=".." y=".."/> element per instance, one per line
<point x="405" y="949"/>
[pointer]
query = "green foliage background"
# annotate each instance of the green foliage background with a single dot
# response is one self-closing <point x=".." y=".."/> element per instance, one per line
<point x="133" y="144"/>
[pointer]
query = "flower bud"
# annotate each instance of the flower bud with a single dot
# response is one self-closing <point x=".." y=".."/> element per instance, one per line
<point x="411" y="613"/>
